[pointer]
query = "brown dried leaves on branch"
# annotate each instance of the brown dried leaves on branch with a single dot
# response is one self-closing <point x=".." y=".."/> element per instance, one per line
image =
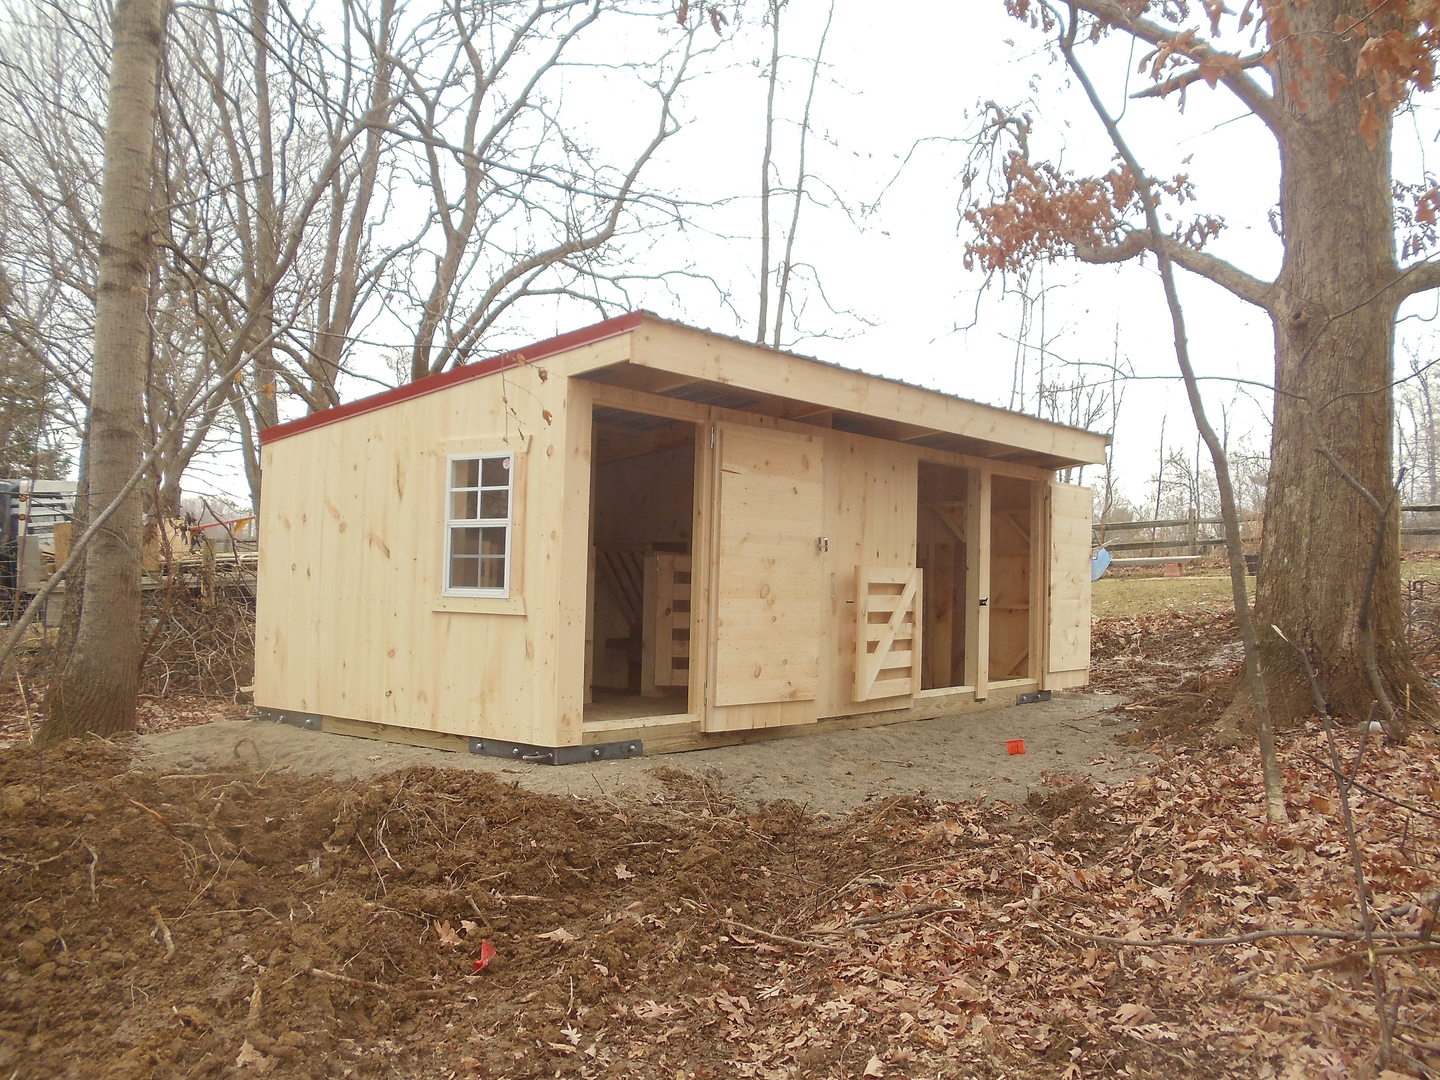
<point x="1383" y="52"/>
<point x="1047" y="214"/>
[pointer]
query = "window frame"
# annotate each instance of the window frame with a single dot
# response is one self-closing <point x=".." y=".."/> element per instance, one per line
<point x="452" y="522"/>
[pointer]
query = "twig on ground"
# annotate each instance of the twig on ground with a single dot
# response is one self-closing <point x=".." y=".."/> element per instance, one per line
<point x="919" y="911"/>
<point x="153" y="813"/>
<point x="321" y="973"/>
<point x="164" y="932"/>
<point x="1351" y="782"/>
<point x="780" y="938"/>
<point x="1388" y="950"/>
<point x="259" y="761"/>
<point x="94" y="864"/>
<point x="331" y="976"/>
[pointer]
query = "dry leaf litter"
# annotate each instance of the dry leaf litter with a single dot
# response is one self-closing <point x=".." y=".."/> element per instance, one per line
<point x="250" y="922"/>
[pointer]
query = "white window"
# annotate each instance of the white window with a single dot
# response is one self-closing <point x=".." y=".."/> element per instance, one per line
<point x="478" y="515"/>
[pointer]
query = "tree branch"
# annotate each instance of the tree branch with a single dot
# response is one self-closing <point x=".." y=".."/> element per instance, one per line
<point x="1422" y="277"/>
<point x="1225" y="274"/>
<point x="1191" y="75"/>
<point x="1254" y="96"/>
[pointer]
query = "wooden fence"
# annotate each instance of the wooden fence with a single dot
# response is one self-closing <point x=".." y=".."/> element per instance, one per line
<point x="1195" y="535"/>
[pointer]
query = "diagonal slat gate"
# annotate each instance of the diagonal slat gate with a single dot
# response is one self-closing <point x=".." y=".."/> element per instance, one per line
<point x="887" y="637"/>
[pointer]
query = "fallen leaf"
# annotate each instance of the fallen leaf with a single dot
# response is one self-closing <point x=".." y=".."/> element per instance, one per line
<point x="487" y="953"/>
<point x="250" y="1058"/>
<point x="651" y="1010"/>
<point x="1133" y="1013"/>
<point x="559" y="935"/>
<point x="623" y="872"/>
<point x="876" y="1067"/>
<point x="448" y="937"/>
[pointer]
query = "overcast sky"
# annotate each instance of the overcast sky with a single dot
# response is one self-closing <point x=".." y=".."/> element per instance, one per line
<point x="902" y="87"/>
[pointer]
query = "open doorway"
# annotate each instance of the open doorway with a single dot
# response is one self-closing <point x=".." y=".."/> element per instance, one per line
<point x="1011" y="529"/>
<point x="942" y="551"/>
<point x="642" y="491"/>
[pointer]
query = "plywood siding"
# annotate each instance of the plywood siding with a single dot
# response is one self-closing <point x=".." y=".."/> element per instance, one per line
<point x="647" y="499"/>
<point x="351" y="621"/>
<point x="1068" y="637"/>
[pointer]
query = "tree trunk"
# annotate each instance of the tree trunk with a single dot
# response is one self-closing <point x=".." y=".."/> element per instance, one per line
<point x="1334" y="362"/>
<point x="98" y="688"/>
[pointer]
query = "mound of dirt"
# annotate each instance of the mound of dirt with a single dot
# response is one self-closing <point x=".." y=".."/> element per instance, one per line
<point x="434" y="923"/>
<point x="189" y="925"/>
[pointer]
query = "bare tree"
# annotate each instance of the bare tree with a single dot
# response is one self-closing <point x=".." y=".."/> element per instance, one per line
<point x="520" y="205"/>
<point x="98" y="687"/>
<point x="1325" y="79"/>
<point x="785" y="270"/>
<point x="1417" y="450"/>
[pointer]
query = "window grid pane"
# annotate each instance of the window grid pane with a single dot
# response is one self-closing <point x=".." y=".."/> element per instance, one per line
<point x="478" y="508"/>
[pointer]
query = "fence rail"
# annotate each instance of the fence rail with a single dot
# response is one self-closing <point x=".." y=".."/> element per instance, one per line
<point x="1192" y="543"/>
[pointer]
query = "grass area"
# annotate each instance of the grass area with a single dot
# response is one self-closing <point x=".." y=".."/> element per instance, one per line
<point x="1132" y="594"/>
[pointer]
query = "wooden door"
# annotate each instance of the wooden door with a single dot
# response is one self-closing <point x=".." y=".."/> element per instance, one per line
<point x="1067" y="661"/>
<point x="768" y="571"/>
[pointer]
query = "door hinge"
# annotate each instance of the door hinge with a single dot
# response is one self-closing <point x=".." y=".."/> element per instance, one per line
<point x="822" y="543"/>
<point x="712" y="438"/>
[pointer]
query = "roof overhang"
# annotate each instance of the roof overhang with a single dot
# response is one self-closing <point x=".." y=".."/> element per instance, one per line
<point x="677" y="361"/>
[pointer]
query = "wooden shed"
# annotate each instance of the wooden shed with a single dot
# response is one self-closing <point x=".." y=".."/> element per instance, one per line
<point x="641" y="537"/>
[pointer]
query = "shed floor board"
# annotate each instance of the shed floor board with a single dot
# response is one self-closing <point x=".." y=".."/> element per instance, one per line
<point x="612" y="705"/>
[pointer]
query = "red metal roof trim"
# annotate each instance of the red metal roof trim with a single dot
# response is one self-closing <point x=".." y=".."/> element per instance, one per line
<point x="621" y="324"/>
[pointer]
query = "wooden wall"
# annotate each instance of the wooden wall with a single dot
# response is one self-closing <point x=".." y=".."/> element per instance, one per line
<point x="646" y="499"/>
<point x="351" y="621"/>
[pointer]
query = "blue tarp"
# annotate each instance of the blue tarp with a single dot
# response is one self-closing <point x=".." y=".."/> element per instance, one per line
<point x="1099" y="563"/>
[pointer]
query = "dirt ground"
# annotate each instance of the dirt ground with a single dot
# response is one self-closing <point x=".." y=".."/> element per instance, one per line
<point x="244" y="899"/>
<point x="954" y="758"/>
